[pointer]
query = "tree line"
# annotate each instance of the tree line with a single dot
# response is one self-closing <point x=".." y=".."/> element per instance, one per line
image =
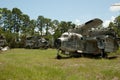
<point x="16" y="26"/>
<point x="115" y="25"/>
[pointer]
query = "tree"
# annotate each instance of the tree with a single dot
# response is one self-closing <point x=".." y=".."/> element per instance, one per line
<point x="117" y="21"/>
<point x="32" y="27"/>
<point x="25" y="24"/>
<point x="62" y="27"/>
<point x="5" y="19"/>
<point x="16" y="18"/>
<point x="40" y="24"/>
<point x="116" y="25"/>
<point x="47" y="24"/>
<point x="54" y="26"/>
<point x="16" y="26"/>
<point x="65" y="26"/>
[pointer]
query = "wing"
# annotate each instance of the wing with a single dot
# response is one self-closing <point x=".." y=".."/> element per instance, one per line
<point x="92" y="24"/>
<point x="84" y="29"/>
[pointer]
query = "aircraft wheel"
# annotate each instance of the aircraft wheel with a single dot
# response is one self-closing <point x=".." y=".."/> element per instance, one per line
<point x="58" y="57"/>
<point x="103" y="54"/>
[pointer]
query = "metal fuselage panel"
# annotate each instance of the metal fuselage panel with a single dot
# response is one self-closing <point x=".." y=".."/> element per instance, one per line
<point x="76" y="43"/>
<point x="83" y="39"/>
<point x="71" y="42"/>
<point x="111" y="45"/>
<point x="72" y="45"/>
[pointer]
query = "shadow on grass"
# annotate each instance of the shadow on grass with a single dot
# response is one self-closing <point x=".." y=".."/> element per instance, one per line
<point x="112" y="57"/>
<point x="61" y="57"/>
<point x="87" y="56"/>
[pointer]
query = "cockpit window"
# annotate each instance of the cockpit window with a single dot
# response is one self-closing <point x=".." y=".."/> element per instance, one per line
<point x="65" y="35"/>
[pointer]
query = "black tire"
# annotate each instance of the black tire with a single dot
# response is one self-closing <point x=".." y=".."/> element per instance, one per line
<point x="58" y="57"/>
<point x="103" y="54"/>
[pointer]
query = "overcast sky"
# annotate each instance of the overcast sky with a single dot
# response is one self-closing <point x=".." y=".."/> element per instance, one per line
<point x="78" y="11"/>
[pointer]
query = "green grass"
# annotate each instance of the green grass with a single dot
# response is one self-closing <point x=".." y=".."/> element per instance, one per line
<point x="35" y="64"/>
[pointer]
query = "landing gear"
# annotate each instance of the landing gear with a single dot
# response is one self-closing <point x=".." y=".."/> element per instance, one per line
<point x="103" y="54"/>
<point x="101" y="46"/>
<point x="58" y="56"/>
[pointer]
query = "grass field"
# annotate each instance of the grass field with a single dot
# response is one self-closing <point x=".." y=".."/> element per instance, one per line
<point x="35" y="64"/>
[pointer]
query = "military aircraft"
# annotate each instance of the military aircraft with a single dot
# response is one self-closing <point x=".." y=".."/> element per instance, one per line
<point x="36" y="42"/>
<point x="87" y="39"/>
<point x="3" y="43"/>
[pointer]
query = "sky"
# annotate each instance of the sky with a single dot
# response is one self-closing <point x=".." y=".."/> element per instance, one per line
<point x="77" y="11"/>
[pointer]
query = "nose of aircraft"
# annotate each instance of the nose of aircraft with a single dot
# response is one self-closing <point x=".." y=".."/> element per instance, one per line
<point x="57" y="43"/>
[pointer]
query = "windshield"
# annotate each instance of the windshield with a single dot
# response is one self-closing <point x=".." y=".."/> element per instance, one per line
<point x="64" y="35"/>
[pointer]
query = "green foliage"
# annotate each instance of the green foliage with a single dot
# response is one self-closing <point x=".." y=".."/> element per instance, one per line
<point x="116" y="25"/>
<point x="40" y="24"/>
<point x="17" y="24"/>
<point x="35" y="64"/>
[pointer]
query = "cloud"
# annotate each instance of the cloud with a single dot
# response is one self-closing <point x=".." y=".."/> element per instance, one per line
<point x="106" y="22"/>
<point x="77" y="22"/>
<point x="115" y="7"/>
